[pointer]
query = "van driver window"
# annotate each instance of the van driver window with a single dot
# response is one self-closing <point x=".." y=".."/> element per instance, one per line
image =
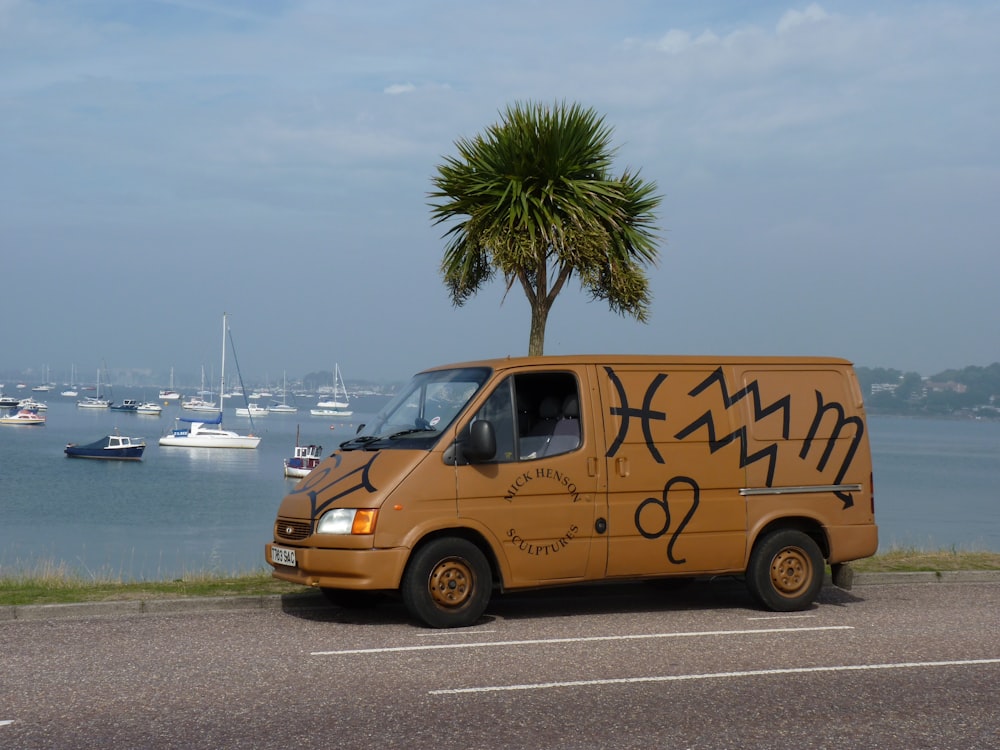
<point x="534" y="415"/>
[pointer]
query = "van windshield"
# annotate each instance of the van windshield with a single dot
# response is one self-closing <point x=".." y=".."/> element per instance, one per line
<point x="421" y="412"/>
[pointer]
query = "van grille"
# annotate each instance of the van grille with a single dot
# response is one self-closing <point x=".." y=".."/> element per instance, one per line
<point x="285" y="528"/>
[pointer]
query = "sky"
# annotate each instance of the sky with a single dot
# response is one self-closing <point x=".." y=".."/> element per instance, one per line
<point x="829" y="175"/>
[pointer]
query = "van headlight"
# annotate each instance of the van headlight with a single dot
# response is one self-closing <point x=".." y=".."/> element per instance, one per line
<point x="348" y="521"/>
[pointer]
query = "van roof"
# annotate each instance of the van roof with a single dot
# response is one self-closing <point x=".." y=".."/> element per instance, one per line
<point x="503" y="363"/>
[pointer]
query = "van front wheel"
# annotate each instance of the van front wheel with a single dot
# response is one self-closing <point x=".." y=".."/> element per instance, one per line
<point x="447" y="584"/>
<point x="785" y="572"/>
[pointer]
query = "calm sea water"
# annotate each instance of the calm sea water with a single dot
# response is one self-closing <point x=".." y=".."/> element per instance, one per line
<point x="937" y="485"/>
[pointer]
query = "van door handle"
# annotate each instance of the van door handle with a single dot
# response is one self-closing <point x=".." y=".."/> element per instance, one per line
<point x="621" y="466"/>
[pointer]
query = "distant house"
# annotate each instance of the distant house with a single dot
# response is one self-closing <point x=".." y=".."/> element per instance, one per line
<point x="951" y="385"/>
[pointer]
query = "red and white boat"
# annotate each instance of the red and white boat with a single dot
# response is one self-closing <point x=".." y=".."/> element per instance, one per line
<point x="22" y="416"/>
<point x="306" y="458"/>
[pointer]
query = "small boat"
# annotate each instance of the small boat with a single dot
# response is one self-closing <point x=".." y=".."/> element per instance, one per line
<point x="71" y="391"/>
<point x="9" y="402"/>
<point x="94" y="402"/>
<point x="338" y="405"/>
<point x="22" y="416"/>
<point x="32" y="405"/>
<point x="209" y="433"/>
<point x="149" y="407"/>
<point x="306" y="458"/>
<point x="198" y="403"/>
<point x="110" y="447"/>
<point x="252" y="410"/>
<point x="128" y="404"/>
<point x="284" y="407"/>
<point x="169" y="394"/>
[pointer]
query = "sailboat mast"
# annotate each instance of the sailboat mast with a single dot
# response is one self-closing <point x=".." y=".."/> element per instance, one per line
<point x="222" y="381"/>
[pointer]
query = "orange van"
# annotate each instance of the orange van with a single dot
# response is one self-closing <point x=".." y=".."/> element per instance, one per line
<point x="545" y="471"/>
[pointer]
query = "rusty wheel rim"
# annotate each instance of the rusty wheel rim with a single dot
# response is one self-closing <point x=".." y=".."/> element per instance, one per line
<point x="451" y="583"/>
<point x="791" y="572"/>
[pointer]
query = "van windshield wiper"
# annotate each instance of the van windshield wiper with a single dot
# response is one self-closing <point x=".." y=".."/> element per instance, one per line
<point x="367" y="441"/>
<point x="410" y="431"/>
<point x="358" y="441"/>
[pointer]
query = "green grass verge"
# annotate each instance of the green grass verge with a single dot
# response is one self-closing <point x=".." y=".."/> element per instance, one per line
<point x="912" y="560"/>
<point x="56" y="585"/>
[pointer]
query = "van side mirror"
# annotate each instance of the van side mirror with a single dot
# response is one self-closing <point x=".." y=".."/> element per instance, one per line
<point x="479" y="443"/>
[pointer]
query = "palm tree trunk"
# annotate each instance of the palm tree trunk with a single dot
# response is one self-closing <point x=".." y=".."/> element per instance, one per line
<point x="536" y="341"/>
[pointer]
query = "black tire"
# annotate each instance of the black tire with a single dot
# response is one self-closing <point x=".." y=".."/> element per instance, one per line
<point x="447" y="583"/>
<point x="352" y="598"/>
<point x="786" y="570"/>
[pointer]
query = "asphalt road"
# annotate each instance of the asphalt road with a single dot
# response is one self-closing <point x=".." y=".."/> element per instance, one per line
<point x="911" y="665"/>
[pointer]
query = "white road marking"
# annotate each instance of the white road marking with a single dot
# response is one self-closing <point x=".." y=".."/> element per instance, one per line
<point x="446" y="633"/>
<point x="5" y="722"/>
<point x="783" y="617"/>
<point x="587" y="639"/>
<point x="713" y="676"/>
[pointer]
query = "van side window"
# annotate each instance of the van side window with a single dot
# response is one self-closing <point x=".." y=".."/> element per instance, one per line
<point x="499" y="411"/>
<point x="544" y="419"/>
<point x="548" y="414"/>
<point x="534" y="415"/>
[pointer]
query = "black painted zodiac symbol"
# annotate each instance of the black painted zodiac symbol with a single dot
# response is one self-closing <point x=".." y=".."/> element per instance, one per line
<point x="841" y="423"/>
<point x="646" y="414"/>
<point x="315" y="483"/>
<point x="665" y="505"/>
<point x="716" y="442"/>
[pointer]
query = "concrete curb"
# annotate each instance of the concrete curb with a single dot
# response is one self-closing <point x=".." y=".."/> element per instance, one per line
<point x="928" y="576"/>
<point x="160" y="606"/>
<point x="311" y="600"/>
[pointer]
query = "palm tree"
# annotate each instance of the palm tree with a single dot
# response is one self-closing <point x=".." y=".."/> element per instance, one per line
<point x="536" y="201"/>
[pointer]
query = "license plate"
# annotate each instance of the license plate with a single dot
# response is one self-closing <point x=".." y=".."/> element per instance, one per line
<point x="282" y="556"/>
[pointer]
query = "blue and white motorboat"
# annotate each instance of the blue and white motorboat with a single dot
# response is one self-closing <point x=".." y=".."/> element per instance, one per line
<point x="110" y="447"/>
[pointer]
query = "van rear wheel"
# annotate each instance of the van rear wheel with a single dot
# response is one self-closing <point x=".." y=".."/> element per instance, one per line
<point x="447" y="583"/>
<point x="785" y="572"/>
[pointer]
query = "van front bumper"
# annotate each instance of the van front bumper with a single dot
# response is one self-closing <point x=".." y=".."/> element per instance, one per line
<point x="361" y="569"/>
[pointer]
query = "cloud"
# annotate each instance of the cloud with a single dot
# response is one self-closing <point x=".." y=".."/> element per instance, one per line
<point x="676" y="42"/>
<point x="399" y="88"/>
<point x="793" y="18"/>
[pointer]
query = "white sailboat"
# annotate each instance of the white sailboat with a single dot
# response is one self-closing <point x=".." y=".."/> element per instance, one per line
<point x="71" y="391"/>
<point x="198" y="403"/>
<point x="252" y="409"/>
<point x="339" y="404"/>
<point x="169" y="394"/>
<point x="95" y="401"/>
<point x="209" y="433"/>
<point x="284" y="407"/>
